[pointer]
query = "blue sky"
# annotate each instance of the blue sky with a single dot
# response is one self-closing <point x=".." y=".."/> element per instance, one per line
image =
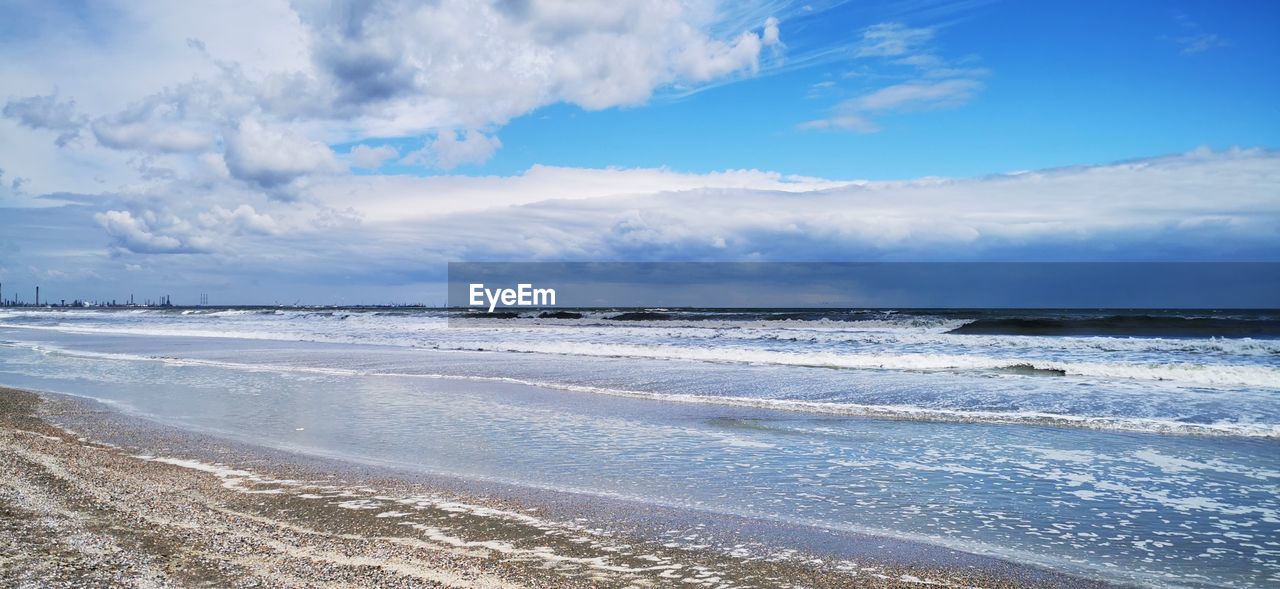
<point x="347" y="150"/>
<point x="1068" y="83"/>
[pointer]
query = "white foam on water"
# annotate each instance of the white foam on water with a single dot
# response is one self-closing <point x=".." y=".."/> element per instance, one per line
<point x="1059" y="454"/>
<point x="1202" y="374"/>
<point x="434" y="329"/>
<point x="886" y="411"/>
<point x="904" y="348"/>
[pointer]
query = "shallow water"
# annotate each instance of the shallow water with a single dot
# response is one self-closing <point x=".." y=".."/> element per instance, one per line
<point x="716" y="416"/>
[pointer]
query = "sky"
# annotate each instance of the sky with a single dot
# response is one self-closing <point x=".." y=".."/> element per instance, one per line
<point x="343" y="152"/>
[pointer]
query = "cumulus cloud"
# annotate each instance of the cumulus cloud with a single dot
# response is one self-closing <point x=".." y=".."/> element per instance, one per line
<point x="180" y="119"/>
<point x="172" y="138"/>
<point x="152" y="227"/>
<point x="152" y="233"/>
<point x="451" y="149"/>
<point x="47" y="112"/>
<point x="9" y="189"/>
<point x="242" y="219"/>
<point x="368" y="157"/>
<point x="320" y="73"/>
<point x="468" y="64"/>
<point x="317" y="73"/>
<point x="270" y="158"/>
<point x="772" y="35"/>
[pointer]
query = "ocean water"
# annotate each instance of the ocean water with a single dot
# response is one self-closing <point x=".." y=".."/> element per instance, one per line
<point x="1134" y="446"/>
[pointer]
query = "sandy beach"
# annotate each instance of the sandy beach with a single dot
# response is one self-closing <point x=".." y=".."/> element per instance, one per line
<point x="78" y="511"/>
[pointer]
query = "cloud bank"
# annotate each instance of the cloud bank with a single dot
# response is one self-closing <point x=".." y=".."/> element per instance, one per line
<point x="387" y="233"/>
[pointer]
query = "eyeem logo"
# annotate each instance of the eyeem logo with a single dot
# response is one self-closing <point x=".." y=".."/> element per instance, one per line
<point x="523" y="295"/>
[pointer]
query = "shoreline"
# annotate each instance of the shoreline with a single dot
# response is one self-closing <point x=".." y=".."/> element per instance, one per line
<point x="120" y="501"/>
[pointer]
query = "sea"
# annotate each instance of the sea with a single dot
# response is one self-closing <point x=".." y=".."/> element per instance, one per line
<point x="1129" y="445"/>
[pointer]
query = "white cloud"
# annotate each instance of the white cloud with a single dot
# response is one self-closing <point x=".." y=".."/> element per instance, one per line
<point x="465" y="64"/>
<point x="1148" y="209"/>
<point x="772" y="35"/>
<point x="270" y="158"/>
<point x="242" y="219"/>
<point x="1195" y="39"/>
<point x="401" y="198"/>
<point x="915" y="96"/>
<point x="181" y="119"/>
<point x="168" y="79"/>
<point x="151" y="226"/>
<point x="853" y="114"/>
<point x="148" y="138"/>
<point x="892" y="40"/>
<point x="47" y="112"/>
<point x="364" y="156"/>
<point x="451" y="149"/>
<point x="842" y="122"/>
<point x="934" y="83"/>
<point x="376" y="231"/>
<point x="1201" y="42"/>
<point x="151" y="233"/>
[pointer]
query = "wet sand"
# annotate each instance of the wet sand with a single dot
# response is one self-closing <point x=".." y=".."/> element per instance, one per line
<point x="90" y="498"/>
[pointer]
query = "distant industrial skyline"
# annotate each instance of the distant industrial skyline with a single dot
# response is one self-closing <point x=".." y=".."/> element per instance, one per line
<point x="16" y="300"/>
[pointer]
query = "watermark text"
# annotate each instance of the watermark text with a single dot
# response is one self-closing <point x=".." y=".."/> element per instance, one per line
<point x="523" y="295"/>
